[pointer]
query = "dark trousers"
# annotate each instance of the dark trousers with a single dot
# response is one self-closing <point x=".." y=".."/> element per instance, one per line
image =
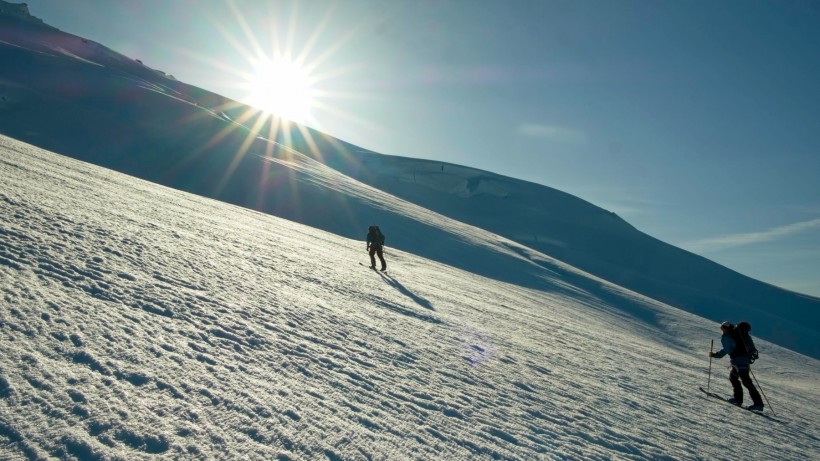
<point x="377" y="250"/>
<point x="742" y="376"/>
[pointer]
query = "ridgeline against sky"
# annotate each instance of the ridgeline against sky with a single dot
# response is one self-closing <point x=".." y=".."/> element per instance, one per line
<point x="695" y="121"/>
<point x="139" y="321"/>
<point x="79" y="98"/>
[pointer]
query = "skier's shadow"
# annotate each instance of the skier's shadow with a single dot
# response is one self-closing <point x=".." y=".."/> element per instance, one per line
<point x="418" y="299"/>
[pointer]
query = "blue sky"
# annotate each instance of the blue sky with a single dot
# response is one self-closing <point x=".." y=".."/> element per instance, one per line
<point x="698" y="122"/>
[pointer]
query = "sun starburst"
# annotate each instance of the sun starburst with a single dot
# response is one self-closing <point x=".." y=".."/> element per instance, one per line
<point x="280" y="87"/>
<point x="280" y="78"/>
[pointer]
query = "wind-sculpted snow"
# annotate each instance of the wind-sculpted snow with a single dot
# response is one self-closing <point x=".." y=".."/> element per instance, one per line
<point x="139" y="322"/>
<point x="596" y="241"/>
<point x="79" y="98"/>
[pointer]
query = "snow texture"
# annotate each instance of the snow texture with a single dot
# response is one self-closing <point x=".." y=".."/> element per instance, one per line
<point x="140" y="322"/>
<point x="78" y="98"/>
<point x="145" y="315"/>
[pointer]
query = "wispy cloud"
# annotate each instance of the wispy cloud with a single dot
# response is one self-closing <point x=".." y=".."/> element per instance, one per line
<point x="554" y="132"/>
<point x="736" y="240"/>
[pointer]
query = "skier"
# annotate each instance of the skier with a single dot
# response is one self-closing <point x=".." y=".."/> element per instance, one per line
<point x="732" y="343"/>
<point x="375" y="245"/>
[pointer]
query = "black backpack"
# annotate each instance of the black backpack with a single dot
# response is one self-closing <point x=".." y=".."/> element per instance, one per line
<point x="379" y="236"/>
<point x="743" y="341"/>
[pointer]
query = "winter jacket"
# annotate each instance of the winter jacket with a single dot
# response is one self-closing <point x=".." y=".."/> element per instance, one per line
<point x="741" y="362"/>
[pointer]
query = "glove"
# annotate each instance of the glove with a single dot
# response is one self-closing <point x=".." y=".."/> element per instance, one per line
<point x="711" y="354"/>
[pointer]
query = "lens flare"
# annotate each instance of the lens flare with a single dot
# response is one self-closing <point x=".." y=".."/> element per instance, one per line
<point x="280" y="87"/>
<point x="281" y="75"/>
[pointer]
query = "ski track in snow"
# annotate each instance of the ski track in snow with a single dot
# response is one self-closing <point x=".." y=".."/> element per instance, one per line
<point x="140" y="322"/>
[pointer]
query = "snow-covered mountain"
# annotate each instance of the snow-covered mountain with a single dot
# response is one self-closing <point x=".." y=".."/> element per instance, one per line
<point x="81" y="99"/>
<point x="141" y="322"/>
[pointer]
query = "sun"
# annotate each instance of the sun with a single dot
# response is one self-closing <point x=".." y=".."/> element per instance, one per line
<point x="280" y="87"/>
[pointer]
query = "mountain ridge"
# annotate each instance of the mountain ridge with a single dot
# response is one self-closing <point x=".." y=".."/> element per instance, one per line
<point x="142" y="322"/>
<point x="78" y="98"/>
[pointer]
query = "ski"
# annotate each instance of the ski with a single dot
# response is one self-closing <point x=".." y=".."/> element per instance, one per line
<point x="373" y="268"/>
<point x="719" y="397"/>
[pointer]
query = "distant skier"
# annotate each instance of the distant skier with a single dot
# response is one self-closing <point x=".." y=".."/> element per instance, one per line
<point x="375" y="245"/>
<point x="738" y="344"/>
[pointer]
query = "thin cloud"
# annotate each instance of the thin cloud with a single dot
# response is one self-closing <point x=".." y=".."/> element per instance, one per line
<point x="554" y="132"/>
<point x="736" y="240"/>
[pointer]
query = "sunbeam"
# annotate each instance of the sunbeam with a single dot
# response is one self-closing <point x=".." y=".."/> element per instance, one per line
<point x="284" y="76"/>
<point x="280" y="87"/>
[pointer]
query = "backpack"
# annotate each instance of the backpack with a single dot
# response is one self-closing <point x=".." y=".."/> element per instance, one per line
<point x="379" y="236"/>
<point x="743" y="341"/>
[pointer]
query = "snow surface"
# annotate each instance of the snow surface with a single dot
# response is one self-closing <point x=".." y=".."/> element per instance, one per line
<point x="140" y="322"/>
<point x="81" y="99"/>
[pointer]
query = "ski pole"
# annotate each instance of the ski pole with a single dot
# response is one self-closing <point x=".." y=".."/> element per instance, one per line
<point x="761" y="391"/>
<point x="709" y="379"/>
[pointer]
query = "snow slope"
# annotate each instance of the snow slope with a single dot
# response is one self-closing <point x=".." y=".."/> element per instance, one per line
<point x="599" y="242"/>
<point x="81" y="99"/>
<point x="142" y="322"/>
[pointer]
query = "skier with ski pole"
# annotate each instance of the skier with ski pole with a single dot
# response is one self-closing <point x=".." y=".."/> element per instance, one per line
<point x="375" y="246"/>
<point x="740" y="355"/>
